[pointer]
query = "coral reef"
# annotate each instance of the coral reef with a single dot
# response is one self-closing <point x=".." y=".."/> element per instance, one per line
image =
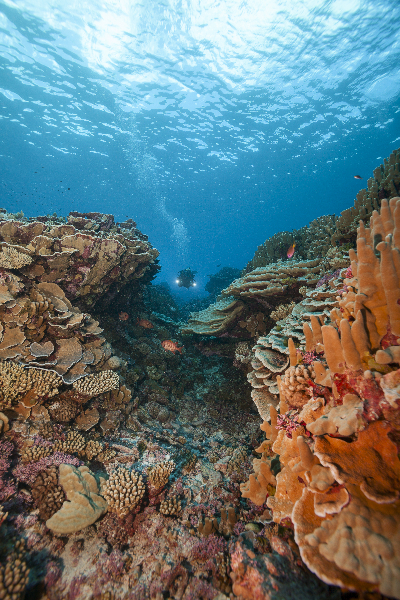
<point x="123" y="491"/>
<point x="312" y="242"/>
<point x="216" y="318"/>
<point x="14" y="574"/>
<point x="266" y="294"/>
<point x="129" y="473"/>
<point x="83" y="504"/>
<point x="385" y="184"/>
<point x="89" y="256"/>
<point x="221" y="280"/>
<point x="339" y="478"/>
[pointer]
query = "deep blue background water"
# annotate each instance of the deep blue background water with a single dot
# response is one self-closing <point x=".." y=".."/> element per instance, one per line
<point x="212" y="124"/>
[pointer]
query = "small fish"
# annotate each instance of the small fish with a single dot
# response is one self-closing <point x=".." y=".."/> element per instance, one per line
<point x="144" y="323"/>
<point x="290" y="251"/>
<point x="123" y="316"/>
<point x="171" y="346"/>
<point x="357" y="177"/>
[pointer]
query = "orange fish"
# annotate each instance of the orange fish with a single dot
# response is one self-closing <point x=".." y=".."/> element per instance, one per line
<point x="123" y="316"/>
<point x="171" y="346"/>
<point x="290" y="252"/>
<point x="144" y="323"/>
<point x="357" y="177"/>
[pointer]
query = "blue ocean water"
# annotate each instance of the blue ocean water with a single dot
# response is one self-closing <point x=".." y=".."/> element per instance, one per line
<point x="213" y="124"/>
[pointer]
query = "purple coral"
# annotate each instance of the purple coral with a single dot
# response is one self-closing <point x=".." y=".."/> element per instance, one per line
<point x="28" y="473"/>
<point x="53" y="574"/>
<point x="208" y="547"/>
<point x="111" y="566"/>
<point x="328" y="277"/>
<point x="7" y="487"/>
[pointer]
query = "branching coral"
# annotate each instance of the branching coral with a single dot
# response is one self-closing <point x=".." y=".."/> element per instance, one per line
<point x="14" y="574"/>
<point x="158" y="476"/>
<point x="17" y="382"/>
<point x="282" y="311"/>
<point x="170" y="506"/>
<point x="123" y="491"/>
<point x="97" y="383"/>
<point x="74" y="442"/>
<point x="47" y="494"/>
<point x="295" y="385"/>
<point x="11" y="257"/>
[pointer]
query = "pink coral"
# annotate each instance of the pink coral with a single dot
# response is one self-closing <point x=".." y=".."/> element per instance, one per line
<point x="208" y="547"/>
<point x="28" y="473"/>
<point x="53" y="574"/>
<point x="112" y="565"/>
<point x="289" y="423"/>
<point x="238" y="528"/>
<point x="75" y="587"/>
<point x="7" y="487"/>
<point x="309" y="357"/>
<point x="328" y="277"/>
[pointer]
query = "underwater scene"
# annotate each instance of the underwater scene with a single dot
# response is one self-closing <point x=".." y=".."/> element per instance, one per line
<point x="199" y="300"/>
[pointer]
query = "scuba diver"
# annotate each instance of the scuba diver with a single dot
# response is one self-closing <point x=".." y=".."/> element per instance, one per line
<point x="186" y="278"/>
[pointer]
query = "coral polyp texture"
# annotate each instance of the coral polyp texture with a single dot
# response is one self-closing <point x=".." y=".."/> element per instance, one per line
<point x="261" y="462"/>
<point x="339" y="478"/>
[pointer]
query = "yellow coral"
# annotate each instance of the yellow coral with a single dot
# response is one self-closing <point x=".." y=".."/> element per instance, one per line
<point x="123" y="491"/>
<point x="159" y="475"/>
<point x="97" y="383"/>
<point x="17" y="381"/>
<point x="12" y="258"/>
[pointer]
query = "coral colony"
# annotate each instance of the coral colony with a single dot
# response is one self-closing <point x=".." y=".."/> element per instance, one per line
<point x="128" y="439"/>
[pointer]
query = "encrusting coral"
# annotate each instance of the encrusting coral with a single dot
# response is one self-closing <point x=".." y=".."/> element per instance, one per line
<point x="340" y="474"/>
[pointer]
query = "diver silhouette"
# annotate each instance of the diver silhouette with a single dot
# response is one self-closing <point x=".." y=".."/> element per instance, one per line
<point x="186" y="278"/>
